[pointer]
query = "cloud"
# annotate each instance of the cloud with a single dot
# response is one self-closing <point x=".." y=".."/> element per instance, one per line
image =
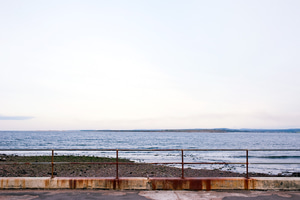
<point x="3" y="117"/>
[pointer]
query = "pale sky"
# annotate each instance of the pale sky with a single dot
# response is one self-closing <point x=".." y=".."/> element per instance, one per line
<point x="93" y="64"/>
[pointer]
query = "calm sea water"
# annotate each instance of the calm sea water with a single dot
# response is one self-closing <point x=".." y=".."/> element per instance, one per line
<point x="166" y="140"/>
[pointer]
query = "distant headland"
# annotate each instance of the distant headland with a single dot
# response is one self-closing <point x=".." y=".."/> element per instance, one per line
<point x="216" y="130"/>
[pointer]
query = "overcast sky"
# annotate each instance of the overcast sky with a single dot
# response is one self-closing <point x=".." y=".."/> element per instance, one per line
<point x="149" y="64"/>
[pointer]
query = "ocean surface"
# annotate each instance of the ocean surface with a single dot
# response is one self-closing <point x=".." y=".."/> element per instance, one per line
<point x="167" y="140"/>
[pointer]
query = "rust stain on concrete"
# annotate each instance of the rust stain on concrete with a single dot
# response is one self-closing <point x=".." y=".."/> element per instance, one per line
<point x="72" y="183"/>
<point x="196" y="185"/>
<point x="47" y="183"/>
<point x="246" y="184"/>
<point x="17" y="183"/>
<point x="23" y="184"/>
<point x="208" y="185"/>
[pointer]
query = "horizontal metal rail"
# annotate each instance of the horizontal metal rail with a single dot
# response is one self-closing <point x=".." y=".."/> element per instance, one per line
<point x="153" y="163"/>
<point x="117" y="163"/>
<point x="150" y="149"/>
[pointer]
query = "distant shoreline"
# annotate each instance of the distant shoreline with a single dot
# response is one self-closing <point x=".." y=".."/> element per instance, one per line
<point x="217" y="130"/>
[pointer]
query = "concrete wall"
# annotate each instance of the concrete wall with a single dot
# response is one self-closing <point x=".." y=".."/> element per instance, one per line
<point x="282" y="183"/>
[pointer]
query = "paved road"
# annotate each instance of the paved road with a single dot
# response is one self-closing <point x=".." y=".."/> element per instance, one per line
<point x="146" y="195"/>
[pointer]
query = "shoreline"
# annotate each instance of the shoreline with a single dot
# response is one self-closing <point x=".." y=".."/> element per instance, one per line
<point x="131" y="169"/>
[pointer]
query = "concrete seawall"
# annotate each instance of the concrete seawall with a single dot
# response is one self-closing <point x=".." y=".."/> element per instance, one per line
<point x="263" y="183"/>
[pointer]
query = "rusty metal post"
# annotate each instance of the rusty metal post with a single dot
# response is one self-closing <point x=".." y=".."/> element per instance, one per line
<point x="52" y="164"/>
<point x="182" y="165"/>
<point x="117" y="164"/>
<point x="247" y="164"/>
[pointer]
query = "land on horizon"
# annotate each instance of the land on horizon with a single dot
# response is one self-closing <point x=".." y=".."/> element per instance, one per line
<point x="215" y="130"/>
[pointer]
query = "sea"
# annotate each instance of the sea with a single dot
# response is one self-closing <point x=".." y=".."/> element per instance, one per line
<point x="62" y="141"/>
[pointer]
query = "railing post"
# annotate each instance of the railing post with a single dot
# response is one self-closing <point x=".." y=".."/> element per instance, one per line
<point x="247" y="164"/>
<point x="182" y="165"/>
<point x="52" y="164"/>
<point x="117" y="164"/>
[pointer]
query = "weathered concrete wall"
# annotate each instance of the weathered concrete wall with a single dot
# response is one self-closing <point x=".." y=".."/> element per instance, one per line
<point x="276" y="183"/>
<point x="282" y="183"/>
<point x="74" y="183"/>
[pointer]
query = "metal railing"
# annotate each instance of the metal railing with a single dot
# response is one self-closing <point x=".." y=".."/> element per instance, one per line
<point x="182" y="163"/>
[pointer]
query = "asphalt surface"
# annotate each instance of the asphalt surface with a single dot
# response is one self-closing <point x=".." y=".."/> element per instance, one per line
<point x="146" y="195"/>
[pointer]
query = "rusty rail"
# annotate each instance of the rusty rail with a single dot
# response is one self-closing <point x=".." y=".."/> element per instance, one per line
<point x="182" y="163"/>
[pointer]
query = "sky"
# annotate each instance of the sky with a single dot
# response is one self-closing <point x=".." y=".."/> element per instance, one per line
<point x="137" y="64"/>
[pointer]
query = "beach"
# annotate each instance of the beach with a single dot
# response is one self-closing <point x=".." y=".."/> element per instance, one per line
<point x="32" y="167"/>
